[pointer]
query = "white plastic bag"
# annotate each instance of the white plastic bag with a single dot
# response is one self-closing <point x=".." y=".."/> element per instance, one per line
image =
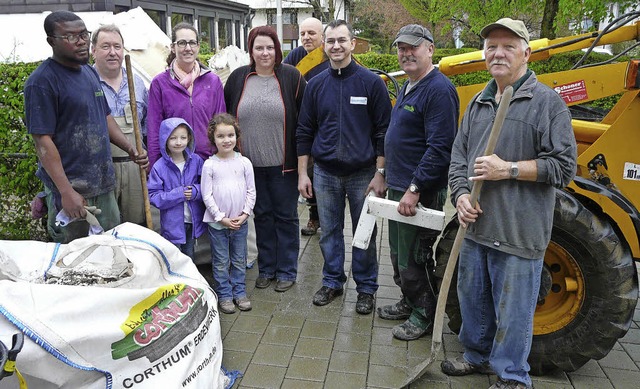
<point x="124" y="309"/>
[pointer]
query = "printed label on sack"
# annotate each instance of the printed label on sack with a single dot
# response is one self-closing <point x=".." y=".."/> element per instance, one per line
<point x="161" y="321"/>
<point x="631" y="171"/>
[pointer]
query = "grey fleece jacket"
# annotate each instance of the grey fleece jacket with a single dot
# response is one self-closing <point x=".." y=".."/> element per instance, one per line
<point x="517" y="215"/>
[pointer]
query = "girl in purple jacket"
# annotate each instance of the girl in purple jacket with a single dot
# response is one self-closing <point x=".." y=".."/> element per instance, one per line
<point x="174" y="186"/>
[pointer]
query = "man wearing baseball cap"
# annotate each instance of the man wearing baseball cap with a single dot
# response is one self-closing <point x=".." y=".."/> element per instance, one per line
<point x="509" y="229"/>
<point x="417" y="153"/>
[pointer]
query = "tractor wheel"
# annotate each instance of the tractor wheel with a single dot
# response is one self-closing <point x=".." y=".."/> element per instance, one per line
<point x="588" y="290"/>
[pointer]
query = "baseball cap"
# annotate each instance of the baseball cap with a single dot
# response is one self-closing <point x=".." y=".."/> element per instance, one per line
<point x="515" y="26"/>
<point x="413" y="34"/>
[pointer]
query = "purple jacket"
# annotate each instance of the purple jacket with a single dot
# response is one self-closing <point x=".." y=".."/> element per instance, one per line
<point x="169" y="99"/>
<point x="166" y="188"/>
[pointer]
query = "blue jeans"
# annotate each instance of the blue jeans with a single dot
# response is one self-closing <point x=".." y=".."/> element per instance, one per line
<point x="277" y="225"/>
<point x="498" y="293"/>
<point x="330" y="194"/>
<point x="188" y="247"/>
<point x="229" y="261"/>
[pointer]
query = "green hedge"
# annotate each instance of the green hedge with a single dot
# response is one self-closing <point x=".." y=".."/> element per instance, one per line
<point x="18" y="184"/>
<point x="18" y="162"/>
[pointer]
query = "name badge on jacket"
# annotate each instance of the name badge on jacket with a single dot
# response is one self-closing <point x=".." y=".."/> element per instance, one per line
<point x="358" y="100"/>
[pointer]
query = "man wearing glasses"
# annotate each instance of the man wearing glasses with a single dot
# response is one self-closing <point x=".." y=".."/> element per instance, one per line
<point x="71" y="124"/>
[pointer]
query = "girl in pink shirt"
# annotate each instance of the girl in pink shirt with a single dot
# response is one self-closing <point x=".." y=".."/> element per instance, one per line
<point x="229" y="194"/>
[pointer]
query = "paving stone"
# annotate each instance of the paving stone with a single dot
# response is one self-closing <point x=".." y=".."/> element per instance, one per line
<point x="263" y="376"/>
<point x="586" y="382"/>
<point x="281" y="335"/>
<point x="618" y="360"/>
<point x="345" y="380"/>
<point x="312" y="369"/>
<point x="623" y="379"/>
<point x="383" y="336"/>
<point x="313" y="348"/>
<point x="273" y="354"/>
<point x="241" y="341"/>
<point x="633" y="350"/>
<point x="346" y="362"/>
<point x="253" y="324"/>
<point x="318" y="329"/>
<point x="393" y="356"/>
<point x="236" y="360"/>
<point x="298" y="384"/>
<point x="589" y="369"/>
<point x="360" y="324"/>
<point x="352" y="342"/>
<point x="287" y="320"/>
<point x="386" y="376"/>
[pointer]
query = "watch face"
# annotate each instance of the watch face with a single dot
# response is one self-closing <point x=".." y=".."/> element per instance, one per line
<point x="413" y="188"/>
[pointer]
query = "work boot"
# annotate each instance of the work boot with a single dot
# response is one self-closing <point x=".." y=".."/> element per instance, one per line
<point x="284" y="285"/>
<point x="398" y="311"/>
<point x="311" y="228"/>
<point x="325" y="295"/>
<point x="226" y="306"/>
<point x="243" y="303"/>
<point x="263" y="282"/>
<point x="459" y="367"/>
<point x="410" y="331"/>
<point x="364" y="306"/>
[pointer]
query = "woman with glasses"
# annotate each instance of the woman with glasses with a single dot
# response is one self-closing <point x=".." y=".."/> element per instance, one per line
<point x="187" y="89"/>
<point x="265" y="96"/>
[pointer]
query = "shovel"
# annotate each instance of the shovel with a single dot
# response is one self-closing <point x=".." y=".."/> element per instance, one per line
<point x="438" y="321"/>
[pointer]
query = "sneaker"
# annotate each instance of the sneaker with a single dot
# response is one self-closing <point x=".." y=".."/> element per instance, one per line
<point x="509" y="384"/>
<point x="364" y="306"/>
<point x="284" y="285"/>
<point x="226" y="306"/>
<point x="325" y="295"/>
<point x="263" y="282"/>
<point x="409" y="331"/>
<point x="311" y="228"/>
<point x="243" y="303"/>
<point x="460" y="366"/>
<point x="398" y="311"/>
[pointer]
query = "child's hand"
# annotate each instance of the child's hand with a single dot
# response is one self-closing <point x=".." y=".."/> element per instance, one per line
<point x="229" y="223"/>
<point x="187" y="192"/>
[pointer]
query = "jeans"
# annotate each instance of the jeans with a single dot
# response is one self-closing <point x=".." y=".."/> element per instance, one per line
<point x="229" y="261"/>
<point x="330" y="194"/>
<point x="277" y="225"/>
<point x="188" y="247"/>
<point x="411" y="251"/>
<point x="498" y="293"/>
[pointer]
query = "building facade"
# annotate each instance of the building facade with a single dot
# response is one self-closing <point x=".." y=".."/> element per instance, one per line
<point x="220" y="22"/>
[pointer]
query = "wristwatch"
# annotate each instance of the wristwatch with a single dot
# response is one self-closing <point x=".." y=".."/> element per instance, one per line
<point x="413" y="188"/>
<point x="514" y="171"/>
<point x="381" y="171"/>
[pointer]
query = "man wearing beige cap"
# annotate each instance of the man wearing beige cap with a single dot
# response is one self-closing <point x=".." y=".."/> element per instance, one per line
<point x="417" y="153"/>
<point x="508" y="231"/>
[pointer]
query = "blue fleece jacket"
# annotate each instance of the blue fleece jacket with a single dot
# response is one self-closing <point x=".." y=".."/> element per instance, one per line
<point x="167" y="184"/>
<point x="422" y="129"/>
<point x="343" y="120"/>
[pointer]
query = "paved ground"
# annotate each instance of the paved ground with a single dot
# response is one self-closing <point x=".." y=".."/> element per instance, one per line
<point x="287" y="342"/>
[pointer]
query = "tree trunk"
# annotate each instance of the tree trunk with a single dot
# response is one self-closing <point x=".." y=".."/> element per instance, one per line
<point x="549" y="16"/>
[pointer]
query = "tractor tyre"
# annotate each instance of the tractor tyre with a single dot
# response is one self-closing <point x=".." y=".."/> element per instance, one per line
<point x="588" y="291"/>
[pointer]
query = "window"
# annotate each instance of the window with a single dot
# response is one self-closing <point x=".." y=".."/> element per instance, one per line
<point x="224" y="33"/>
<point x="177" y="18"/>
<point x="120" y="8"/>
<point x="158" y="17"/>
<point x="205" y="29"/>
<point x="289" y="16"/>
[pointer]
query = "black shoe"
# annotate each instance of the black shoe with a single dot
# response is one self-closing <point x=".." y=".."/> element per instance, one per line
<point x="459" y="367"/>
<point x="284" y="285"/>
<point x="364" y="306"/>
<point x="325" y="295"/>
<point x="263" y="282"/>
<point x="398" y="311"/>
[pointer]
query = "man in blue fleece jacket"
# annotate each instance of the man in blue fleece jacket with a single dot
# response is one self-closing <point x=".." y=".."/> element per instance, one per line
<point x="342" y="123"/>
<point x="417" y="154"/>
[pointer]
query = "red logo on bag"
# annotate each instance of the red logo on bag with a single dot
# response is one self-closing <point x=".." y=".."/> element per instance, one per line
<point x="165" y="324"/>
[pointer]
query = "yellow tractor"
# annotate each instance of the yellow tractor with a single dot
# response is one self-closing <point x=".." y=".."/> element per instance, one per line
<point x="589" y="286"/>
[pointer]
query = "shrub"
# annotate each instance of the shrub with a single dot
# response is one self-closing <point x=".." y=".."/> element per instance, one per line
<point x="18" y="161"/>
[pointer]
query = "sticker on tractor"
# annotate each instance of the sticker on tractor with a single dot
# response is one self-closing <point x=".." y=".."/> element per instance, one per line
<point x="575" y="91"/>
<point x="631" y="171"/>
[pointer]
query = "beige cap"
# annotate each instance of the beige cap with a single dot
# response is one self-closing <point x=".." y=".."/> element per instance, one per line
<point x="515" y="26"/>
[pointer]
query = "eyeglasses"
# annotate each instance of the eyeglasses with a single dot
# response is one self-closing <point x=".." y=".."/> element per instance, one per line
<point x="75" y="37"/>
<point x="182" y="43"/>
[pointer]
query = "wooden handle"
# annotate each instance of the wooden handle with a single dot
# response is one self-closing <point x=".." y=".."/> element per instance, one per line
<point x="136" y="131"/>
